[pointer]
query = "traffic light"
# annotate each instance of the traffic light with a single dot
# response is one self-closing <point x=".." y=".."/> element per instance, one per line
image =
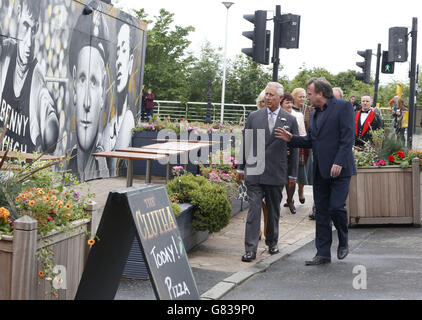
<point x="365" y="75"/>
<point x="289" y="31"/>
<point x="260" y="51"/>
<point x="397" y="44"/>
<point x="386" y="65"/>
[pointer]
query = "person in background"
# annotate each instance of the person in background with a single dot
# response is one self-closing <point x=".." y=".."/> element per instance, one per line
<point x="287" y="105"/>
<point x="365" y="121"/>
<point x="305" y="175"/>
<point x="260" y="103"/>
<point x="355" y="104"/>
<point x="149" y="104"/>
<point x="338" y="93"/>
<point x="331" y="139"/>
<point x="398" y="125"/>
<point x="393" y="103"/>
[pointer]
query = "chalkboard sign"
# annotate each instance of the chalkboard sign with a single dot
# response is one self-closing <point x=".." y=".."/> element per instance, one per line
<point x="143" y="212"/>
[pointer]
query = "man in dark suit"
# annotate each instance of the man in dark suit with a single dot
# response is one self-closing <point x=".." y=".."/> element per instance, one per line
<point x="266" y="168"/>
<point x="366" y="120"/>
<point x="331" y="137"/>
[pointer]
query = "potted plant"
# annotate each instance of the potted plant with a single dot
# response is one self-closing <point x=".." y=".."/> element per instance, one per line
<point x="44" y="232"/>
<point x="386" y="189"/>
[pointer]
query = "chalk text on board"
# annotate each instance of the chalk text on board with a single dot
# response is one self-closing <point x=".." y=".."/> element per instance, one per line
<point x="167" y="255"/>
<point x="155" y="223"/>
<point x="178" y="290"/>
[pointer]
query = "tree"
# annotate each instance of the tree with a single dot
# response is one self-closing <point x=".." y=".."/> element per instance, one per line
<point x="205" y="69"/>
<point x="167" y="60"/>
<point x="245" y="80"/>
<point x="303" y="76"/>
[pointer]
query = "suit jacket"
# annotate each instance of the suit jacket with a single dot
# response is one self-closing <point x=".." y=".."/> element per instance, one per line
<point x="362" y="131"/>
<point x="273" y="166"/>
<point x="332" y="142"/>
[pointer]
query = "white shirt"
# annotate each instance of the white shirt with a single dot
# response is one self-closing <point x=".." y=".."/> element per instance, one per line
<point x="363" y="117"/>
<point x="275" y="113"/>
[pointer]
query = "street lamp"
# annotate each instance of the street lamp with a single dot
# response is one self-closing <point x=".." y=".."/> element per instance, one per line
<point x="223" y="90"/>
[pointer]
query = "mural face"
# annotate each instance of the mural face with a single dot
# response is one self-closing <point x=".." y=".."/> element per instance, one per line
<point x="89" y="81"/>
<point x="124" y="59"/>
<point x="70" y="80"/>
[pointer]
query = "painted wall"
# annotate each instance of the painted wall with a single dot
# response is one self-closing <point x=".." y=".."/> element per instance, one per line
<point x="71" y="73"/>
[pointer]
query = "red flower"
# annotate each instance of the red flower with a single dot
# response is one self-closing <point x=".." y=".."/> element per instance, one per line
<point x="391" y="158"/>
<point x="400" y="154"/>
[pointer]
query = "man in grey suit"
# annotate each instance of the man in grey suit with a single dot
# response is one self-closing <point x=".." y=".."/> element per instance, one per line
<point x="266" y="168"/>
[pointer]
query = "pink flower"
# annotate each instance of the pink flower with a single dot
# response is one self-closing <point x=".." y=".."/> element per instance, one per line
<point x="177" y="168"/>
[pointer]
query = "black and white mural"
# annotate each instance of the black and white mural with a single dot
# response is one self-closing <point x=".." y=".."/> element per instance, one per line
<point x="71" y="73"/>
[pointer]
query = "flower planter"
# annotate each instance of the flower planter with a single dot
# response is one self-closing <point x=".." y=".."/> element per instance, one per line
<point x="144" y="138"/>
<point x="135" y="267"/>
<point x="19" y="265"/>
<point x="236" y="206"/>
<point x="385" y="195"/>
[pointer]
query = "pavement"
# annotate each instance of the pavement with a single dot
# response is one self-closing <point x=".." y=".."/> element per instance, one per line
<point x="216" y="263"/>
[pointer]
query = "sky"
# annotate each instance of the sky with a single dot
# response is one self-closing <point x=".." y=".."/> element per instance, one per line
<point x="331" y="31"/>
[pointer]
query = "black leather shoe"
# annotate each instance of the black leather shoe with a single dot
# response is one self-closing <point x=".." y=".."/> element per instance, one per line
<point x="302" y="201"/>
<point x="317" y="260"/>
<point x="342" y="252"/>
<point x="249" y="256"/>
<point x="292" y="207"/>
<point x="312" y="215"/>
<point x="273" y="250"/>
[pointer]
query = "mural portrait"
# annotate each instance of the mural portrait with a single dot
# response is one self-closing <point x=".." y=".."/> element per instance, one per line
<point x="71" y="74"/>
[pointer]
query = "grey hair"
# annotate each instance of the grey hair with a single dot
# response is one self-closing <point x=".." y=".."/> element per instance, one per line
<point x="279" y="86"/>
<point x="321" y="86"/>
<point x="260" y="98"/>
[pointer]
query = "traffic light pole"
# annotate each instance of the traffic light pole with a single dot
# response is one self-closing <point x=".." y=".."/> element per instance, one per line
<point x="377" y="75"/>
<point x="276" y="43"/>
<point x="412" y="75"/>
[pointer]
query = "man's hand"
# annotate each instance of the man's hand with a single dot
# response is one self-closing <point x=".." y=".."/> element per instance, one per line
<point x="335" y="170"/>
<point x="240" y="177"/>
<point x="282" y="134"/>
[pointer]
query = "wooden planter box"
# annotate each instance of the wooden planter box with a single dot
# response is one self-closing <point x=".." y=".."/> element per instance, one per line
<point x="385" y="195"/>
<point x="19" y="266"/>
<point x="135" y="267"/>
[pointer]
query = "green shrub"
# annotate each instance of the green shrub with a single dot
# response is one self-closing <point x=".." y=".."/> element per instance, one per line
<point x="176" y="209"/>
<point x="212" y="208"/>
<point x="182" y="186"/>
<point x="391" y="145"/>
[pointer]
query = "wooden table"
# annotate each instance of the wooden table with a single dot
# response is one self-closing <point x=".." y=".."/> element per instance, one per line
<point x="154" y="151"/>
<point x="130" y="156"/>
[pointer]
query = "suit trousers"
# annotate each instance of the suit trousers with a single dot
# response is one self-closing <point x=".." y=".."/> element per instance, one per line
<point x="330" y="197"/>
<point x="273" y="196"/>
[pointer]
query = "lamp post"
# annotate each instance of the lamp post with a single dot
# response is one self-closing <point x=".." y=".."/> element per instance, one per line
<point x="223" y="90"/>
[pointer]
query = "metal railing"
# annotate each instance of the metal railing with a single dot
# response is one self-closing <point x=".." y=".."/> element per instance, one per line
<point x="196" y="111"/>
